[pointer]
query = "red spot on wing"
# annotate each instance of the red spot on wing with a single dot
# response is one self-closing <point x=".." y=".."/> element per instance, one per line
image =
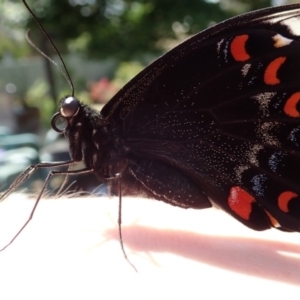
<point x="270" y="76"/>
<point x="290" y="107"/>
<point x="237" y="48"/>
<point x="240" y="202"/>
<point x="284" y="199"/>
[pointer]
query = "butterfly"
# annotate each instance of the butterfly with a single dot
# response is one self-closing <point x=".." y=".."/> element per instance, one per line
<point x="214" y="122"/>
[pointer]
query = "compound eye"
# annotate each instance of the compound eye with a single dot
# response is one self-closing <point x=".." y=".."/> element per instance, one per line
<point x="69" y="106"/>
<point x="59" y="123"/>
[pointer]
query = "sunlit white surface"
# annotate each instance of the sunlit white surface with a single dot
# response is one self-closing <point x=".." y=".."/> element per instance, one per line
<point x="71" y="250"/>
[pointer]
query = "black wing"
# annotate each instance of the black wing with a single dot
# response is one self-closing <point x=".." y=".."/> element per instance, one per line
<point x="219" y="116"/>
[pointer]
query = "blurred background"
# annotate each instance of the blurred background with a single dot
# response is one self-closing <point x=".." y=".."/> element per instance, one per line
<point x="104" y="44"/>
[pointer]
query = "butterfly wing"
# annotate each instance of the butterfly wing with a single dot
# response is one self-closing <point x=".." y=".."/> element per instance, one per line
<point x="219" y="117"/>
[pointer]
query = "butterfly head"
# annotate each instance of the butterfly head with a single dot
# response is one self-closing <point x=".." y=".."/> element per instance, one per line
<point x="81" y="125"/>
<point x="69" y="108"/>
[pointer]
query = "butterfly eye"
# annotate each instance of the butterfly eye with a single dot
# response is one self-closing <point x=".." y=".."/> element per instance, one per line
<point x="69" y="106"/>
<point x="59" y="123"/>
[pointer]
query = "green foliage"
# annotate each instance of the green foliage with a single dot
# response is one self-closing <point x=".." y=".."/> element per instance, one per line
<point x="242" y="6"/>
<point x="123" y="28"/>
<point x="12" y="31"/>
<point x="12" y="47"/>
<point x="37" y="96"/>
<point x="126" y="71"/>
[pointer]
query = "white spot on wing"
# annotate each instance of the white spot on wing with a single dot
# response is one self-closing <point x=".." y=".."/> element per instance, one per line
<point x="264" y="133"/>
<point x="252" y="154"/>
<point x="245" y="69"/>
<point x="281" y="41"/>
<point x="219" y="46"/>
<point x="225" y="51"/>
<point x="264" y="101"/>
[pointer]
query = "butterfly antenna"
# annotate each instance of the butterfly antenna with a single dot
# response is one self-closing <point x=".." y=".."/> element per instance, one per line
<point x="64" y="71"/>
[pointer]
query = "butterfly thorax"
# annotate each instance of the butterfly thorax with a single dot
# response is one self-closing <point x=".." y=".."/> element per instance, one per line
<point x="92" y="140"/>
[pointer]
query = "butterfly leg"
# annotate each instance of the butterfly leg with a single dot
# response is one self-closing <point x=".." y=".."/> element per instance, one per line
<point x="118" y="177"/>
<point x="27" y="173"/>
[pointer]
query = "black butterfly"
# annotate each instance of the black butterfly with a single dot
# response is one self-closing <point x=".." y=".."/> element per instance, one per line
<point x="214" y="121"/>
